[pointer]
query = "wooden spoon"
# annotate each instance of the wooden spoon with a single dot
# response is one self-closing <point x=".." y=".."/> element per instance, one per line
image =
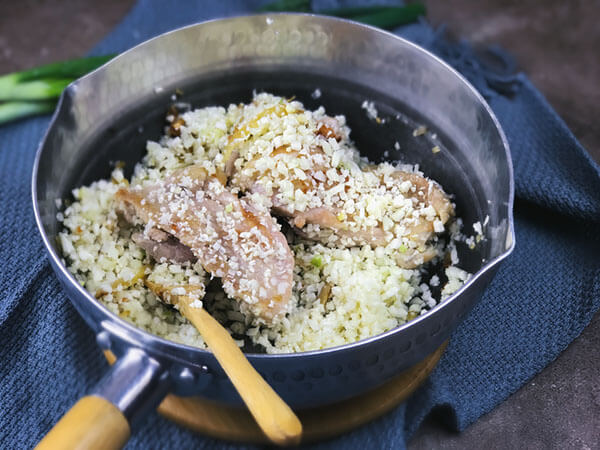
<point x="273" y="415"/>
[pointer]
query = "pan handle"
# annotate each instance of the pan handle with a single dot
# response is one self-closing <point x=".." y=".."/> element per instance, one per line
<point x="133" y="386"/>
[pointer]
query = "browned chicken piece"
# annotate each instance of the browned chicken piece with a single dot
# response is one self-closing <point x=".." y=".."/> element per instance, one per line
<point x="330" y="127"/>
<point x="163" y="248"/>
<point x="313" y="178"/>
<point x="232" y="238"/>
<point x="427" y="192"/>
<point x="328" y="224"/>
<point x="419" y="230"/>
<point x="330" y="229"/>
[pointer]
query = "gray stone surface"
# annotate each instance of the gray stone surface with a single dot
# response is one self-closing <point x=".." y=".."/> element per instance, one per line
<point x="557" y="44"/>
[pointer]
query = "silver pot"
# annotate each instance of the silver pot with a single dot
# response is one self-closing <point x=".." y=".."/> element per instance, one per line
<point x="109" y="114"/>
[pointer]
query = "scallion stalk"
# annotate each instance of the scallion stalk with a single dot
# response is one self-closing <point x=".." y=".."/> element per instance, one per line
<point x="286" y="6"/>
<point x="33" y="90"/>
<point x="389" y="18"/>
<point x="73" y="68"/>
<point x="348" y="13"/>
<point x="386" y="17"/>
<point x="10" y="111"/>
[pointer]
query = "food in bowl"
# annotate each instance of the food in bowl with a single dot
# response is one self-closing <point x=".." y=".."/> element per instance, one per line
<point x="266" y="215"/>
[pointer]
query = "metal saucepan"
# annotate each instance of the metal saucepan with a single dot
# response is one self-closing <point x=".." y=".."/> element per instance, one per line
<point x="109" y="114"/>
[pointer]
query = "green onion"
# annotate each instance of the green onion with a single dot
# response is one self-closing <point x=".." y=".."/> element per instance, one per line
<point x="286" y="5"/>
<point x="42" y="84"/>
<point x="389" y="18"/>
<point x="386" y="17"/>
<point x="73" y="68"/>
<point x="317" y="261"/>
<point x="34" y="90"/>
<point x="16" y="110"/>
<point x="368" y="10"/>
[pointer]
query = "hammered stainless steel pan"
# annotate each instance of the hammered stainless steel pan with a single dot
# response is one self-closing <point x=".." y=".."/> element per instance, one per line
<point x="109" y="114"/>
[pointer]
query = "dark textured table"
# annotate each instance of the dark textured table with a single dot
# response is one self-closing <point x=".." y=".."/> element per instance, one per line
<point x="557" y="44"/>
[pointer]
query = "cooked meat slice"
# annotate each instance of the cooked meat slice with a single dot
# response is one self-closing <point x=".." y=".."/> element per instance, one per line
<point x="330" y="229"/>
<point x="333" y="226"/>
<point x="246" y="130"/>
<point x="330" y="127"/>
<point x="165" y="248"/>
<point x="303" y="164"/>
<point x="157" y="235"/>
<point x="232" y="238"/>
<point x="428" y="192"/>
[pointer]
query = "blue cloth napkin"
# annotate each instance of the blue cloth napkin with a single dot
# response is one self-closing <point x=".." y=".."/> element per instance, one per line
<point x="542" y="298"/>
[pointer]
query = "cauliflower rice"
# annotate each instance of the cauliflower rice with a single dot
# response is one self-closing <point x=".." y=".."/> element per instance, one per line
<point x="367" y="293"/>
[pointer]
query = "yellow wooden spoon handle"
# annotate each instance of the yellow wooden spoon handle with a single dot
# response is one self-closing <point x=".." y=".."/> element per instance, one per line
<point x="92" y="423"/>
<point x="273" y="415"/>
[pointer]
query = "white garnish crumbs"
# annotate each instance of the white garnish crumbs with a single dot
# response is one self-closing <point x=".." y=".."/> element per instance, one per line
<point x="397" y="145"/>
<point x="426" y="295"/>
<point x="369" y="107"/>
<point x="435" y="281"/>
<point x="196" y="304"/>
<point x="316" y="93"/>
<point x="470" y="241"/>
<point x="269" y="21"/>
<point x="454" y="256"/>
<point x="158" y="89"/>
<point x="420" y="131"/>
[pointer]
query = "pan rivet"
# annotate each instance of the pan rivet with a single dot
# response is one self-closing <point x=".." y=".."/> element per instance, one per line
<point x="186" y="376"/>
<point x="103" y="340"/>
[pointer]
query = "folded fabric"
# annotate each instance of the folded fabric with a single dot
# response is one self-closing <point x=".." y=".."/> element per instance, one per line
<point x="542" y="298"/>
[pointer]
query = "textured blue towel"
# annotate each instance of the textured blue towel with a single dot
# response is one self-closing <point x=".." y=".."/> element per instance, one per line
<point x="542" y="298"/>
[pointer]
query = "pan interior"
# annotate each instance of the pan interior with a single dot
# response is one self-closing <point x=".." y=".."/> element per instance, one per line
<point x="124" y="139"/>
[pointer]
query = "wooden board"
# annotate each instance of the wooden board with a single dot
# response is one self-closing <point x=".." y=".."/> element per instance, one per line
<point x="236" y="424"/>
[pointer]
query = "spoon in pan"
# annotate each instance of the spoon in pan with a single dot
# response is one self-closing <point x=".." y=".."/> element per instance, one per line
<point x="272" y="414"/>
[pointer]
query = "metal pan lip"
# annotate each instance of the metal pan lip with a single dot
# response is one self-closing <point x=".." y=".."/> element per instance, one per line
<point x="163" y="348"/>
